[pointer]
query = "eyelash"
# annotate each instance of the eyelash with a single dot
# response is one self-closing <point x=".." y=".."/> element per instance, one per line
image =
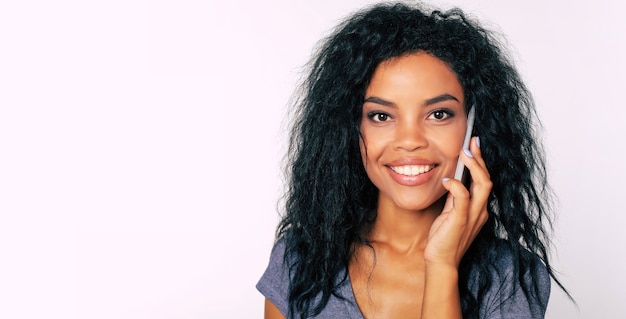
<point x="375" y="116"/>
<point x="448" y="114"/>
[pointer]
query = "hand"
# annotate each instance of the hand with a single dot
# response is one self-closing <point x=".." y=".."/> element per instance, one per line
<point x="463" y="215"/>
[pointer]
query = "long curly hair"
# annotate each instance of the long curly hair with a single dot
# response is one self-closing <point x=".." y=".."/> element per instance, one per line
<point x="329" y="198"/>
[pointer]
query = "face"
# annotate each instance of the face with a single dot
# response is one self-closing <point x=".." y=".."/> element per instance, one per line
<point x="412" y="125"/>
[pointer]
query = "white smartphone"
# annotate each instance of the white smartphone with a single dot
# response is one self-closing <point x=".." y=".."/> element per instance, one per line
<point x="460" y="168"/>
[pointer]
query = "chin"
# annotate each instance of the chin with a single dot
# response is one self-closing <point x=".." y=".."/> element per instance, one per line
<point x="421" y="205"/>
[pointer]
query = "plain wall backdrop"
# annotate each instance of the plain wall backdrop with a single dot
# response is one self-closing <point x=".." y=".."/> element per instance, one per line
<point x="141" y="145"/>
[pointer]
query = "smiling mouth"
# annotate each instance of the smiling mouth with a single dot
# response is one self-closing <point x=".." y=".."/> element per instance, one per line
<point x="412" y="170"/>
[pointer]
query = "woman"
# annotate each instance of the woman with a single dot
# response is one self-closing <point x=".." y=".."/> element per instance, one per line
<point x="374" y="226"/>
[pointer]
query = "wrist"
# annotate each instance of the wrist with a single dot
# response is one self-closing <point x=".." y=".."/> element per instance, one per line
<point x="442" y="271"/>
<point x="441" y="293"/>
<point x="441" y="266"/>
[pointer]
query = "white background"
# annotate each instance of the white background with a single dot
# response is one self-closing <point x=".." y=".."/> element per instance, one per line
<point x="141" y="146"/>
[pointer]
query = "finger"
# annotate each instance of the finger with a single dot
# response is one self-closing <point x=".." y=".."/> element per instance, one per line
<point x="476" y="220"/>
<point x="458" y="200"/>
<point x="478" y="224"/>
<point x="475" y="149"/>
<point x="481" y="181"/>
<point x="477" y="152"/>
<point x="449" y="198"/>
<point x="460" y="216"/>
<point x="475" y="164"/>
<point x="480" y="187"/>
<point x="482" y="176"/>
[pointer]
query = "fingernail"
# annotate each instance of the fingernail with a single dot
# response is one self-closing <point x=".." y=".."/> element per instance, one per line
<point x="478" y="141"/>
<point x="468" y="153"/>
<point x="445" y="179"/>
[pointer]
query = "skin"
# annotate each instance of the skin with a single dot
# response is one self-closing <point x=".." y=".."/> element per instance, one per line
<point x="414" y="116"/>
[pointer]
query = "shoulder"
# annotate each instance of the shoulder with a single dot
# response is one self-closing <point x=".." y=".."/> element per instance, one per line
<point x="274" y="283"/>
<point x="520" y="285"/>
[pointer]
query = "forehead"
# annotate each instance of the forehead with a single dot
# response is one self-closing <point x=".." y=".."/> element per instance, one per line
<point x="419" y="75"/>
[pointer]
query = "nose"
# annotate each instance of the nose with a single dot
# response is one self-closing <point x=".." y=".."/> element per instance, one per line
<point x="410" y="136"/>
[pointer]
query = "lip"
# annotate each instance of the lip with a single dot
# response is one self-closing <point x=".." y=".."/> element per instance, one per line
<point x="411" y="180"/>
<point x="410" y="161"/>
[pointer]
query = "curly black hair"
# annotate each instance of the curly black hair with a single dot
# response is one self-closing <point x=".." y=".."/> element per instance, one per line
<point x="329" y="199"/>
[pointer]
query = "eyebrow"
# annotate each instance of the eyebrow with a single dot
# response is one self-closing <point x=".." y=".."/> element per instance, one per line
<point x="377" y="100"/>
<point x="440" y="98"/>
<point x="431" y="101"/>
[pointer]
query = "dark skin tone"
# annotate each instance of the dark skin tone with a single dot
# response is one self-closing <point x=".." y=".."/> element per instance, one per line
<point x="412" y="116"/>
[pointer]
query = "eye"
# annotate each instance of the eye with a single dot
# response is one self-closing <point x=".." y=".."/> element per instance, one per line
<point x="378" y="116"/>
<point x="440" y="115"/>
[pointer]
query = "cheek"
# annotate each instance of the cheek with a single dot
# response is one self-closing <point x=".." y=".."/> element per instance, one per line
<point x="370" y="152"/>
<point x="453" y="147"/>
<point x="368" y="157"/>
<point x="451" y="143"/>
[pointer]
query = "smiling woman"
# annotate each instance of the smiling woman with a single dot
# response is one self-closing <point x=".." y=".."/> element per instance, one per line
<point x="375" y="226"/>
<point x="413" y="125"/>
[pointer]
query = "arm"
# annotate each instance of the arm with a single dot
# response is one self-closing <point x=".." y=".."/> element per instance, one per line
<point x="271" y="311"/>
<point x="463" y="215"/>
<point x="441" y="293"/>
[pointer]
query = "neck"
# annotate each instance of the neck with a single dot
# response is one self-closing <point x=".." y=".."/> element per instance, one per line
<point x="404" y="230"/>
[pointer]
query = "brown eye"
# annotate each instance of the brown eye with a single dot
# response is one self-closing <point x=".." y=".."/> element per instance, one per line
<point x="440" y="115"/>
<point x="378" y="117"/>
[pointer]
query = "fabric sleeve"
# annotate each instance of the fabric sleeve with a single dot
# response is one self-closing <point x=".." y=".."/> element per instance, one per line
<point x="506" y="298"/>
<point x="274" y="283"/>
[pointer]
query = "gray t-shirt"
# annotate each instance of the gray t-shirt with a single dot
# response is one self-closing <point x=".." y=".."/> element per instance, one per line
<point x="505" y="299"/>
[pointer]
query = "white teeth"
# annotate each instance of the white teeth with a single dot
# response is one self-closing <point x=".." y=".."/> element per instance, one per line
<point x="412" y="170"/>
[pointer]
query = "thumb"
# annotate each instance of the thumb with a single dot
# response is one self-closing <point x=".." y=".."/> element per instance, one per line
<point x="449" y="199"/>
